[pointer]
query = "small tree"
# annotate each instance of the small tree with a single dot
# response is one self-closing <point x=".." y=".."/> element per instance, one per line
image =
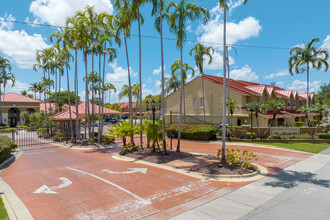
<point x="231" y="106"/>
<point x="275" y="105"/>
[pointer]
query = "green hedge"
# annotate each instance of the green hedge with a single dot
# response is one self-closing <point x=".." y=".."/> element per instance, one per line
<point x="6" y="145"/>
<point x="288" y="137"/>
<point x="313" y="122"/>
<point x="248" y="135"/>
<point x="192" y="132"/>
<point x="299" y="123"/>
<point x="7" y="130"/>
<point x="323" y="135"/>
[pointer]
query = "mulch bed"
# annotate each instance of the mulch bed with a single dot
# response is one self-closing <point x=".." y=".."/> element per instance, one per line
<point x="197" y="163"/>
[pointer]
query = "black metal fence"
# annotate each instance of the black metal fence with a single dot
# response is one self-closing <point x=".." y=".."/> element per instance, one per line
<point x="29" y="137"/>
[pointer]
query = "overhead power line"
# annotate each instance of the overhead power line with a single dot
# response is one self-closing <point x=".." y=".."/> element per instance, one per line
<point x="155" y="37"/>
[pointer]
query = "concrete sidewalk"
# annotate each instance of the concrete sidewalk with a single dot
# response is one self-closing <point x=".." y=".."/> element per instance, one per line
<point x="301" y="191"/>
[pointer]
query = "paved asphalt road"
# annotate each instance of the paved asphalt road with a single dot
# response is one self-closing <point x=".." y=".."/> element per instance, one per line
<point x="59" y="183"/>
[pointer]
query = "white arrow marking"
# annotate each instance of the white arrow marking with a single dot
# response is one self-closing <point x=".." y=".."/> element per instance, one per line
<point x="50" y="190"/>
<point x="133" y="170"/>
<point x="141" y="200"/>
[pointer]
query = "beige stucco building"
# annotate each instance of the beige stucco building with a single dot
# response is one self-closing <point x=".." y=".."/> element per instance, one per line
<point x="13" y="105"/>
<point x="244" y="92"/>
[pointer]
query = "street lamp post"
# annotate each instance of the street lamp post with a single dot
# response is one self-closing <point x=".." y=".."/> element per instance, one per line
<point x="153" y="108"/>
<point x="250" y="107"/>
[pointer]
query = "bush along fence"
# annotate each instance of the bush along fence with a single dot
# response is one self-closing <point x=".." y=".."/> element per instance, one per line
<point x="192" y="132"/>
<point x="6" y="146"/>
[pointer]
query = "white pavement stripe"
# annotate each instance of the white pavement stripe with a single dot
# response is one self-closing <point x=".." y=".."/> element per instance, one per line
<point x="144" y="201"/>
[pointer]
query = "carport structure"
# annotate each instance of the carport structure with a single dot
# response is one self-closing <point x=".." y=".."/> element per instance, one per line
<point x="62" y="120"/>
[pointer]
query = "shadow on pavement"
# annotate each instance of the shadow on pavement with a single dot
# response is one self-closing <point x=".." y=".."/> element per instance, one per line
<point x="289" y="179"/>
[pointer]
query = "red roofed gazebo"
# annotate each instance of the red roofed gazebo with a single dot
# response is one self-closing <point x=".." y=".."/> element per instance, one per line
<point x="63" y="120"/>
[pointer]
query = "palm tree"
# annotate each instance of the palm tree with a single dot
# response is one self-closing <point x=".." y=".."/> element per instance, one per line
<point x="109" y="87"/>
<point x="158" y="7"/>
<point x="200" y="52"/>
<point x="322" y="109"/>
<point x="40" y="89"/>
<point x="275" y="105"/>
<point x="34" y="88"/>
<point x="172" y="83"/>
<point x="24" y="92"/>
<point x="258" y="106"/>
<point x="5" y="77"/>
<point x="224" y="6"/>
<point x="308" y="55"/>
<point x="185" y="68"/>
<point x="177" y="16"/>
<point x="231" y="106"/>
<point x="123" y="22"/>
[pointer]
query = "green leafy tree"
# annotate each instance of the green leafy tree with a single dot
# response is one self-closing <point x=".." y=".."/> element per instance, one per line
<point x="154" y="133"/>
<point x="275" y="105"/>
<point x="323" y="96"/>
<point x="115" y="106"/>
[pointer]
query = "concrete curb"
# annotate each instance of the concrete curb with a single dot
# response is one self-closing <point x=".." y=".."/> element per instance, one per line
<point x="15" y="207"/>
<point x="69" y="146"/>
<point x="261" y="173"/>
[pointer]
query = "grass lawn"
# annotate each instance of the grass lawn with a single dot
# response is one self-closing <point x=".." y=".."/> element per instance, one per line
<point x="307" y="147"/>
<point x="3" y="211"/>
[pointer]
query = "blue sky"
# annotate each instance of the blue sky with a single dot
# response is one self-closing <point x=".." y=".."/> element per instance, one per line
<point x="279" y="24"/>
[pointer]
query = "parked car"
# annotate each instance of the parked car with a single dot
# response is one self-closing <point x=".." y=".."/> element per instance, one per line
<point x="112" y="120"/>
<point x="124" y="117"/>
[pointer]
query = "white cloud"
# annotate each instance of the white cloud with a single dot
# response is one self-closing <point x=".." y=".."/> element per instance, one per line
<point x="213" y="31"/>
<point x="301" y="86"/>
<point x="279" y="84"/>
<point x="6" y="24"/>
<point x="245" y="73"/>
<point x="18" y="87"/>
<point x="55" y="12"/>
<point x="20" y="46"/>
<point x="326" y="43"/>
<point x="158" y="71"/>
<point x="217" y="62"/>
<point x="278" y="74"/>
<point x="119" y="77"/>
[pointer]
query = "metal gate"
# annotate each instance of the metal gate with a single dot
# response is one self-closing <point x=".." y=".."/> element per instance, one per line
<point x="28" y="137"/>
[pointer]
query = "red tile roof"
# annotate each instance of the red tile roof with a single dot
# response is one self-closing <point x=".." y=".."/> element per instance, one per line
<point x="51" y="105"/>
<point x="14" y="97"/>
<point x="82" y="109"/>
<point x="269" y="114"/>
<point x="125" y="104"/>
<point x="65" y="115"/>
<point x="293" y="112"/>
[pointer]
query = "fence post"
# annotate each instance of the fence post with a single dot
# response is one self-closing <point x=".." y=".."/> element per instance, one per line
<point x="13" y="135"/>
<point x="170" y="117"/>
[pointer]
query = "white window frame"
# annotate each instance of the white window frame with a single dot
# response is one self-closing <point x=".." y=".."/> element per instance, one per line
<point x="195" y="103"/>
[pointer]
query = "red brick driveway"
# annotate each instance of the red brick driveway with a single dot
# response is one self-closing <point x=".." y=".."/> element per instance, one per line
<point x="75" y="185"/>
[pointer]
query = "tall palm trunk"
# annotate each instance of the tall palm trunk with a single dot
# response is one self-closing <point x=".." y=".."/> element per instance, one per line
<point x="45" y="100"/>
<point x="163" y="78"/>
<point x="59" y="91"/>
<point x="86" y="99"/>
<point x="140" y="78"/>
<point x="181" y="94"/>
<point x="76" y="95"/>
<point x="203" y="91"/>
<point x="223" y="159"/>
<point x="56" y="94"/>
<point x="100" y="102"/>
<point x="105" y="46"/>
<point x="257" y="123"/>
<point x="130" y="91"/>
<point x="69" y="101"/>
<point x="307" y="104"/>
<point x="93" y="92"/>
<point x="1" y="96"/>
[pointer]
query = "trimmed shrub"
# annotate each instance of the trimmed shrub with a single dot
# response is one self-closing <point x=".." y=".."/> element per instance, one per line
<point x="59" y="137"/>
<point x="248" y="135"/>
<point x="6" y="145"/>
<point x="107" y="138"/>
<point x="4" y="127"/>
<point x="275" y="137"/>
<point x="323" y="135"/>
<point x="128" y="148"/>
<point x="7" y="130"/>
<point x="313" y="122"/>
<point x="192" y="132"/>
<point x="299" y="123"/>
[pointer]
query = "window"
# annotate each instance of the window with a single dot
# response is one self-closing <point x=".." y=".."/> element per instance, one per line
<point x="289" y="103"/>
<point x="195" y="103"/>
<point x="294" y="103"/>
<point x="202" y="103"/>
